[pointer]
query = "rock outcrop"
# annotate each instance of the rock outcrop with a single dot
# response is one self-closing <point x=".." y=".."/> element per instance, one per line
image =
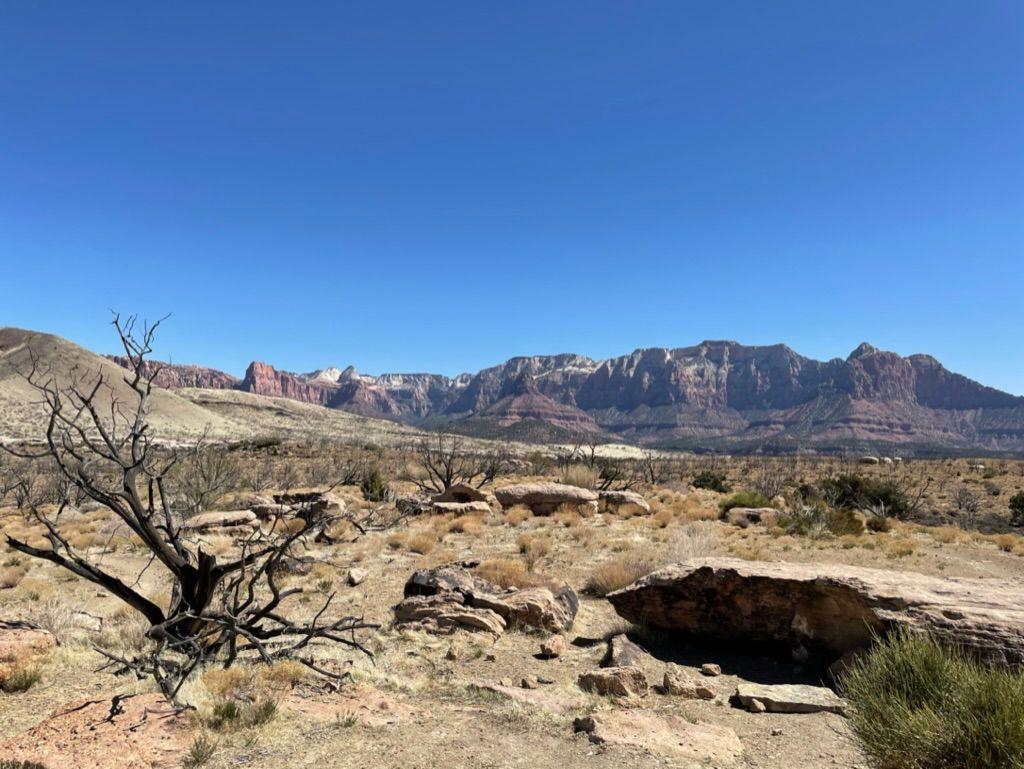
<point x="544" y="498"/>
<point x="224" y="520"/>
<point x="456" y="591"/>
<point x="827" y="609"/>
<point x="626" y="681"/>
<point x="623" y="503"/>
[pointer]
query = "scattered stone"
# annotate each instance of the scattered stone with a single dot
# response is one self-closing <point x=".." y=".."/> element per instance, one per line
<point x="451" y="655"/>
<point x="756" y="706"/>
<point x="776" y="732"/>
<point x="678" y="683"/>
<point x="490" y="658"/>
<point x="619" y="682"/>
<point x="356" y="577"/>
<point x="829" y="609"/>
<point x="869" y="460"/>
<point x="555" y="646"/>
<point x="529" y="682"/>
<point x="623" y="503"/>
<point x="622" y="652"/>
<point x="790" y="698"/>
<point x="545" y="498"/>
<point x="670" y="736"/>
<point x="710" y="669"/>
<point x="115" y="732"/>
<point x="229" y="519"/>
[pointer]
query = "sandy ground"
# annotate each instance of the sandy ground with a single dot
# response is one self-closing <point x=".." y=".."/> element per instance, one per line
<point x="432" y="713"/>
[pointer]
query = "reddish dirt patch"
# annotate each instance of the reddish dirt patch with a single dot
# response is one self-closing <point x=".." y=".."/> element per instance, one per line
<point x="135" y="732"/>
<point x="363" y="704"/>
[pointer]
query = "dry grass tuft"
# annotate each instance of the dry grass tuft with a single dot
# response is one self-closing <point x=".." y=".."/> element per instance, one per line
<point x="506" y="573"/>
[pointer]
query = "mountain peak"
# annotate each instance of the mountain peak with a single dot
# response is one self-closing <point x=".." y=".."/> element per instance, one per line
<point x="862" y="349"/>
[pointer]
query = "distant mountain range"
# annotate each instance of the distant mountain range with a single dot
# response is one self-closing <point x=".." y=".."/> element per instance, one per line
<point x="716" y="395"/>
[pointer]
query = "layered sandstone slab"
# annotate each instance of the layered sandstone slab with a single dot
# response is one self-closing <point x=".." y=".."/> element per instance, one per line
<point x="832" y="609"/>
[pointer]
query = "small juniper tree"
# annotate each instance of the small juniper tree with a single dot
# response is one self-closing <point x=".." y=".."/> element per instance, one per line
<point x="219" y="610"/>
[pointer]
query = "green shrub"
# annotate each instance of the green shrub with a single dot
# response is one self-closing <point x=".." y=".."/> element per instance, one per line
<point x="199" y="753"/>
<point x="374" y="485"/>
<point x="230" y="712"/>
<point x="857" y="491"/>
<point x="21" y="679"/>
<point x="744" y="499"/>
<point x="919" y="705"/>
<point x="804" y="520"/>
<point x="1017" y="509"/>
<point x="711" y="481"/>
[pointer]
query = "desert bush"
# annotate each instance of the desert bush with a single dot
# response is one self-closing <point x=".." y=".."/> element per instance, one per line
<point x="919" y="705"/>
<point x="621" y="571"/>
<point x="966" y="501"/>
<point x="804" y="519"/>
<point x="516" y="514"/>
<point x="858" y="491"/>
<point x="231" y="713"/>
<point x="11" y="576"/>
<point x="421" y="543"/>
<point x="744" y="499"/>
<point x="506" y="573"/>
<point x="374" y="485"/>
<point x="1017" y="509"/>
<point x="844" y="521"/>
<point x="533" y="548"/>
<point x="19" y="677"/>
<point x="199" y="753"/>
<point x="581" y="475"/>
<point x="204" y="474"/>
<point x="710" y="480"/>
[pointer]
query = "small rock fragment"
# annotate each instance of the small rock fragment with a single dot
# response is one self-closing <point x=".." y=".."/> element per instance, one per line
<point x="711" y="669"/>
<point x="555" y="646"/>
<point x="617" y="681"/>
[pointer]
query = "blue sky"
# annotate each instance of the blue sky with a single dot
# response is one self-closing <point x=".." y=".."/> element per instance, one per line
<point x="440" y="186"/>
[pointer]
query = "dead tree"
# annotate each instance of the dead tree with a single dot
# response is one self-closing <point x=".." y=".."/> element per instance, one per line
<point x="219" y="610"/>
<point x="442" y="463"/>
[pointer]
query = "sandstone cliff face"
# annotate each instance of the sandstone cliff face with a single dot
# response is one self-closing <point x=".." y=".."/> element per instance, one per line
<point x="174" y="376"/>
<point x="717" y="394"/>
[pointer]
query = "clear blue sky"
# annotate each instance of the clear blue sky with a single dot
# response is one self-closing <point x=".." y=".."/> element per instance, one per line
<point x="440" y="186"/>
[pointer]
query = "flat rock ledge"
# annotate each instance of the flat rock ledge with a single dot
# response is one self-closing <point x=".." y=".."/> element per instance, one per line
<point x="827" y="609"/>
<point x="670" y="736"/>
<point x="790" y="698"/>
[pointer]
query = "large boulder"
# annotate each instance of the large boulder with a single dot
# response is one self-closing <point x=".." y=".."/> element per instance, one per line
<point x="623" y="503"/>
<point x="829" y="609"/>
<point x="551" y="608"/>
<point x="461" y="508"/>
<point x="445" y="613"/>
<point x="546" y="497"/>
<point x="463" y="492"/>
